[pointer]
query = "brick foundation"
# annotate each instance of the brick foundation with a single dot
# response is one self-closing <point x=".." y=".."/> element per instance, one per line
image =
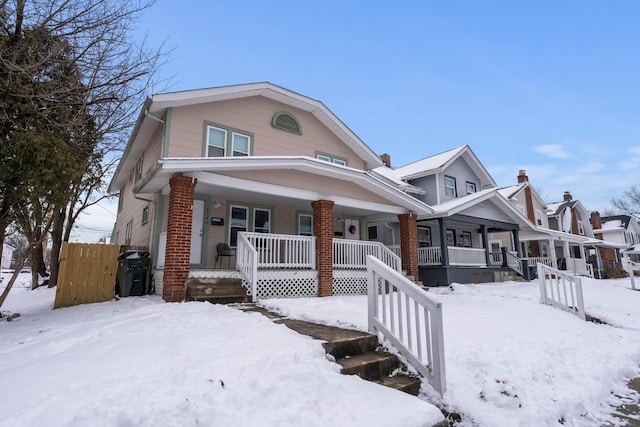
<point x="323" y="231"/>
<point x="409" y="244"/>
<point x="176" y="264"/>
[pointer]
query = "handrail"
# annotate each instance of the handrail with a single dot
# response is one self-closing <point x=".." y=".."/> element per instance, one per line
<point x="467" y="256"/>
<point x="430" y="256"/>
<point x="514" y="263"/>
<point x="352" y="254"/>
<point x="409" y="318"/>
<point x="247" y="262"/>
<point x="561" y="290"/>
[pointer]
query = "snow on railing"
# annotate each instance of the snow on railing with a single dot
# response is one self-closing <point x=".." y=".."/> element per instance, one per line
<point x="430" y="256"/>
<point x="352" y="254"/>
<point x="247" y="262"/>
<point x="283" y="250"/>
<point x="561" y="290"/>
<point x="405" y="315"/>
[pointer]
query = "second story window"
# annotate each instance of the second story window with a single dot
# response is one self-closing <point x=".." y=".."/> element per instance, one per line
<point x="223" y="142"/>
<point x="580" y="228"/>
<point x="538" y="217"/>
<point x="450" y="186"/>
<point x="471" y="187"/>
<point x="331" y="159"/>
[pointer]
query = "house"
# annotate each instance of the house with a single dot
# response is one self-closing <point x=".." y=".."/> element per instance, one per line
<point x="455" y="241"/>
<point x="264" y="174"/>
<point x="623" y="230"/>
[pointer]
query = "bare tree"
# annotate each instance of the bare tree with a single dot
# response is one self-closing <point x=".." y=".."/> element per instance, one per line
<point x="629" y="203"/>
<point x="71" y="79"/>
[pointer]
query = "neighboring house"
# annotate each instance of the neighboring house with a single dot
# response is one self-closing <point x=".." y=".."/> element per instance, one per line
<point x="273" y="174"/>
<point x="622" y="230"/>
<point x="455" y="239"/>
<point x="7" y="256"/>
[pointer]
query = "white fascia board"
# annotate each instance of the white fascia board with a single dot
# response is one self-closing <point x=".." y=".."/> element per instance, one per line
<point x="294" y="193"/>
<point x="303" y="164"/>
<point x="556" y="235"/>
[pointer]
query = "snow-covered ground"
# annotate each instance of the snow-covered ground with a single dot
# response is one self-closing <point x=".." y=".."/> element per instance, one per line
<point x="511" y="361"/>
<point x="141" y="362"/>
<point x="134" y="362"/>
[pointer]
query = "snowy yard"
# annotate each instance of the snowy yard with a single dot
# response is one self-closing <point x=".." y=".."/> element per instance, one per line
<point x="138" y="361"/>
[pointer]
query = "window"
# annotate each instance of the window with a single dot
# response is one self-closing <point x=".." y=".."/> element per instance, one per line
<point x="221" y="142"/>
<point x="243" y="218"/>
<point x="373" y="232"/>
<point x="466" y="239"/>
<point x="450" y="186"/>
<point x="424" y="237"/>
<point x="580" y="228"/>
<point x="127" y="233"/>
<point x="286" y="121"/>
<point x="261" y="223"/>
<point x="239" y="220"/>
<point x="538" y="217"/>
<point x="521" y="209"/>
<point x="305" y="224"/>
<point x="139" y="169"/>
<point x="120" y="201"/>
<point x="471" y="187"/>
<point x="451" y="238"/>
<point x="145" y="215"/>
<point x="331" y="159"/>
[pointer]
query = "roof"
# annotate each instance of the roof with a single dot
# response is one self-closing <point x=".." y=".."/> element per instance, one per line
<point x="613" y="221"/>
<point x="156" y="106"/>
<point x="509" y="192"/>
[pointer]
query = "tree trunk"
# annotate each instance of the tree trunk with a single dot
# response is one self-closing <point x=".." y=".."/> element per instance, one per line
<point x="37" y="259"/>
<point x="56" y="246"/>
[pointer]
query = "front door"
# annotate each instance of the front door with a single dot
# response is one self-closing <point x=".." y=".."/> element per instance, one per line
<point x="352" y="229"/>
<point x="197" y="230"/>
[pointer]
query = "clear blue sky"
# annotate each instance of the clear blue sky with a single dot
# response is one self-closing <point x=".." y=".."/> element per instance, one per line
<point x="551" y="87"/>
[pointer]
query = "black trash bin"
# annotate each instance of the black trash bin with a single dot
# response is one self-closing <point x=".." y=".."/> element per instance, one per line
<point x="133" y="273"/>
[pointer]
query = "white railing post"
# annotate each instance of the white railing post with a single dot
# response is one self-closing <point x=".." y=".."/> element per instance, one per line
<point x="414" y="324"/>
<point x="247" y="263"/>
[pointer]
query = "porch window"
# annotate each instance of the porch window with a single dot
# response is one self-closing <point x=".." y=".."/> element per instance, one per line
<point x="239" y="215"/>
<point x="466" y="239"/>
<point x="450" y="186"/>
<point x="261" y="220"/>
<point x="539" y="218"/>
<point x="471" y="187"/>
<point x="424" y="237"/>
<point x="451" y="237"/>
<point x="373" y="232"/>
<point x="305" y="224"/>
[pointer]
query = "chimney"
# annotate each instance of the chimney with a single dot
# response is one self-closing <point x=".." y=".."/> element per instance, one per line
<point x="386" y="159"/>
<point x="567" y="196"/>
<point x="522" y="176"/>
<point x="596" y="222"/>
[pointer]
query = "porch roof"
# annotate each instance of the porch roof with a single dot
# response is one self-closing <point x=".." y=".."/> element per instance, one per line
<point x="221" y="175"/>
<point x="541" y="233"/>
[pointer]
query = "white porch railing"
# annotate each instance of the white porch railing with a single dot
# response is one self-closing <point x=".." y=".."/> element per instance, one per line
<point x="514" y="263"/>
<point x="395" y="249"/>
<point x="534" y="260"/>
<point x="496" y="258"/>
<point x="247" y="262"/>
<point x="352" y="254"/>
<point x="561" y="290"/>
<point x="631" y="267"/>
<point x="467" y="256"/>
<point x="405" y="315"/>
<point x="580" y="267"/>
<point x="283" y="251"/>
<point x="430" y="256"/>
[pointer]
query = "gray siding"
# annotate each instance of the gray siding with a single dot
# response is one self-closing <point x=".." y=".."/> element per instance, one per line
<point x="487" y="210"/>
<point x="461" y="171"/>
<point x="427" y="183"/>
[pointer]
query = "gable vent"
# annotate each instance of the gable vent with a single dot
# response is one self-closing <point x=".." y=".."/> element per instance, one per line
<point x="286" y="121"/>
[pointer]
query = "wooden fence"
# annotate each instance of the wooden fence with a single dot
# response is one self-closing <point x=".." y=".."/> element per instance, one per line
<point x="87" y="274"/>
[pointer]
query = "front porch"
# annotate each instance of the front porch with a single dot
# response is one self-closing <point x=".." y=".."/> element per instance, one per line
<point x="284" y="266"/>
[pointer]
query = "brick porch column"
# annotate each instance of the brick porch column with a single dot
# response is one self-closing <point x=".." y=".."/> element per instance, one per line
<point x="409" y="244"/>
<point x="323" y="231"/>
<point x="176" y="264"/>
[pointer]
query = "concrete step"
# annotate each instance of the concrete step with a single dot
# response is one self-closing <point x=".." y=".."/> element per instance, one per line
<point x="403" y="383"/>
<point x="216" y="290"/>
<point x="371" y="366"/>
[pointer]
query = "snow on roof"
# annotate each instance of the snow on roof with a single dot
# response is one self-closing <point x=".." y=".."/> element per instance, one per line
<point x="460" y="201"/>
<point x="509" y="192"/>
<point x="615" y="224"/>
<point x="428" y="163"/>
